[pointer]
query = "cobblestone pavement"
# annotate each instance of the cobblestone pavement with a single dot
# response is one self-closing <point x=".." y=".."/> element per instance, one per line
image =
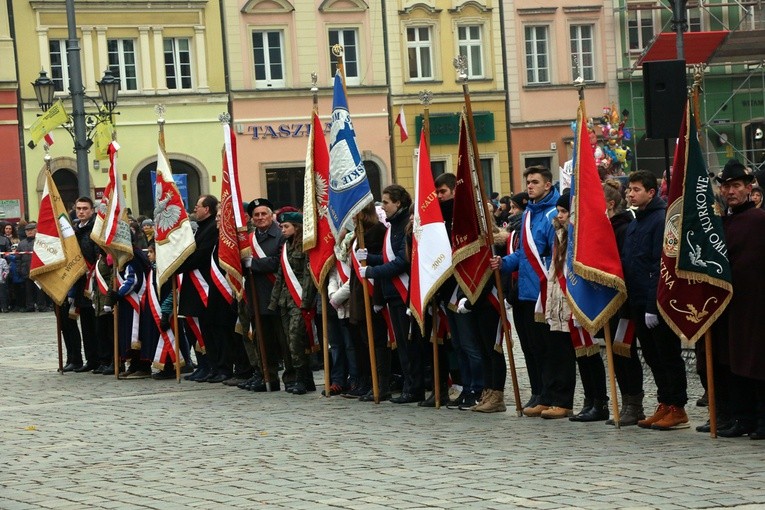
<point x="83" y="441"/>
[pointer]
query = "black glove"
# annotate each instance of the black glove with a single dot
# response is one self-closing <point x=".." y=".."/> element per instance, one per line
<point x="164" y="322"/>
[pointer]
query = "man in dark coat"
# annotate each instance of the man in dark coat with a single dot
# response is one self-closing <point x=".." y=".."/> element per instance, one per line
<point x="746" y="322"/>
<point x="260" y="270"/>
<point x="641" y="259"/>
<point x="34" y="296"/>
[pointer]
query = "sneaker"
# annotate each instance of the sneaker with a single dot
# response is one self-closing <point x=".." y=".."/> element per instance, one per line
<point x="334" y="389"/>
<point x="455" y="404"/>
<point x="674" y="419"/>
<point x="356" y="391"/>
<point x="469" y="400"/>
<point x="660" y="413"/>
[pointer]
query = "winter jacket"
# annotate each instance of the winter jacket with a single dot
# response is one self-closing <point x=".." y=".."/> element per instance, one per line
<point x="557" y="309"/>
<point x="641" y="255"/>
<point x="339" y="292"/>
<point x="26" y="245"/>
<point x="5" y="270"/>
<point x="543" y="233"/>
<point x="384" y="272"/>
<point x="298" y="261"/>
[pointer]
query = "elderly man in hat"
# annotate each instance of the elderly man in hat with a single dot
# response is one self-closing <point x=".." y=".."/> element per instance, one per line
<point x="34" y="296"/>
<point x="261" y="266"/>
<point x="743" y="322"/>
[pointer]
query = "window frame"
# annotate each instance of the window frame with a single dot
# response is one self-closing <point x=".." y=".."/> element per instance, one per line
<point x="639" y="18"/>
<point x="470" y="43"/>
<point x="268" y="82"/>
<point x="119" y="69"/>
<point x="350" y="79"/>
<point x="580" y="53"/>
<point x="418" y="46"/>
<point x="535" y="55"/>
<point x="63" y="68"/>
<point x="177" y="64"/>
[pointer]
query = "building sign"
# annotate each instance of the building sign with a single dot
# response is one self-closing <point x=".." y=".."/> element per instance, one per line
<point x="10" y="209"/>
<point x="276" y="132"/>
<point x="445" y="127"/>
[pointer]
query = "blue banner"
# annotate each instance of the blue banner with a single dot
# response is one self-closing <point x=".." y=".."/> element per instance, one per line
<point x="349" y="190"/>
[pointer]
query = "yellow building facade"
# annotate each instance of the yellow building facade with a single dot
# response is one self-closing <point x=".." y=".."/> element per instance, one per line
<point x="167" y="52"/>
<point x="424" y="37"/>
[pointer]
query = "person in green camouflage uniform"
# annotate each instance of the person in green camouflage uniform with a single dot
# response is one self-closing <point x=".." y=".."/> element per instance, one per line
<point x="292" y="316"/>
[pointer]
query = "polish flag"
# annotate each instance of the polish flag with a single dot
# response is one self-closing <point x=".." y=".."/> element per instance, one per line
<point x="401" y="121"/>
<point x="49" y="138"/>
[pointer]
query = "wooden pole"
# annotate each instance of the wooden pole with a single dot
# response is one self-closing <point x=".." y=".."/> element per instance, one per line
<point x="175" y="332"/>
<point x="436" y="368"/>
<point x="368" y="313"/>
<point x="486" y="228"/>
<point x="258" y="325"/>
<point x="612" y="374"/>
<point x="325" y="338"/>
<point x="710" y="384"/>
<point x="57" y="308"/>
<point x="115" y="323"/>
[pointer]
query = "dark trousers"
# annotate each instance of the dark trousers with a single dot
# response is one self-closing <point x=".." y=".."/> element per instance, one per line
<point x="35" y="296"/>
<point x="105" y="336"/>
<point x="592" y="372"/>
<point x="629" y="371"/>
<point x="531" y="334"/>
<point x="341" y="350"/>
<point x="469" y="351"/>
<point x="71" y="335"/>
<point x="484" y="320"/>
<point x="382" y="352"/>
<point x="556" y="353"/>
<point x="88" y="327"/>
<point x="4" y="297"/>
<point x="242" y="366"/>
<point x="662" y="352"/>
<point x="218" y="331"/>
<point x="424" y="340"/>
<point x="409" y="351"/>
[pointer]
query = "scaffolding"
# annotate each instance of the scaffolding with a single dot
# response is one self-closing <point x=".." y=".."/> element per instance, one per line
<point x="732" y="121"/>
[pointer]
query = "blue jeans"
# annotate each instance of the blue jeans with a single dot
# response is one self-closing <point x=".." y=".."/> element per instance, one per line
<point x="466" y="346"/>
<point x="341" y="350"/>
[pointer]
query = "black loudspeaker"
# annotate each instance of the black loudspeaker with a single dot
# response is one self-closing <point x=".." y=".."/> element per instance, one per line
<point x="665" y="91"/>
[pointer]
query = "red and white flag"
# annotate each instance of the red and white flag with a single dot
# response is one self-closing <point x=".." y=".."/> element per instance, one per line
<point x="57" y="262"/>
<point x="318" y="241"/>
<point x="111" y="230"/>
<point x="232" y="231"/>
<point x="401" y="122"/>
<point x="431" y="249"/>
<point x="172" y="230"/>
<point x="49" y="138"/>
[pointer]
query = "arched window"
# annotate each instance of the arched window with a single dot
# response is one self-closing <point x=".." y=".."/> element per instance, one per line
<point x="186" y="177"/>
<point x="66" y="182"/>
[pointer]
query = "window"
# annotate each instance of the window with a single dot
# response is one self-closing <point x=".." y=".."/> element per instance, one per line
<point x="122" y="62"/>
<point x="471" y="47"/>
<point x="268" y="50"/>
<point x="347" y="38"/>
<point x="640" y="28"/>
<point x="420" y="53"/>
<point x="178" y="63"/>
<point x="537" y="51"/>
<point x="285" y="186"/>
<point x="582" y="52"/>
<point x="694" y="19"/>
<point x="437" y="168"/>
<point x="488" y="175"/>
<point x="59" y="67"/>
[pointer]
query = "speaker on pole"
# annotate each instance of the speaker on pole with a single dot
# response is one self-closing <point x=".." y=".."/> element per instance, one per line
<point x="665" y="91"/>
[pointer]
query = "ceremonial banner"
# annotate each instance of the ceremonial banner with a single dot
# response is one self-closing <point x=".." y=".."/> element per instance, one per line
<point x="470" y="255"/>
<point x="318" y="241"/>
<point x="102" y="138"/>
<point x="57" y="262"/>
<point x="431" y="250"/>
<point x="54" y="117"/>
<point x="349" y="190"/>
<point x="695" y="282"/>
<point x="401" y="123"/>
<point x="594" y="276"/>
<point x="232" y="230"/>
<point x="111" y="230"/>
<point x="172" y="230"/>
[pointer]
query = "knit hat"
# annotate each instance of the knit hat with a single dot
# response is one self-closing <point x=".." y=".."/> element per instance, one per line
<point x="564" y="201"/>
<point x="521" y="199"/>
<point x="147" y="223"/>
<point x="291" y="217"/>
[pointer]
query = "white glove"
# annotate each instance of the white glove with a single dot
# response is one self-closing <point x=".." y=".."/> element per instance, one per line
<point x="576" y="323"/>
<point x="377" y="308"/>
<point x="651" y="320"/>
<point x="247" y="262"/>
<point x="362" y="254"/>
<point x="71" y="301"/>
<point x="363" y="271"/>
<point x="107" y="309"/>
<point x="461" y="306"/>
<point x="409" y="312"/>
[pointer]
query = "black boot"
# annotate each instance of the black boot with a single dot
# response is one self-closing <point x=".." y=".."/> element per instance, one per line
<point x="598" y="412"/>
<point x="586" y="408"/>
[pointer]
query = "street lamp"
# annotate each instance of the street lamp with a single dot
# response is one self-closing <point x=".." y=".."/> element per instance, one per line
<point x="108" y="88"/>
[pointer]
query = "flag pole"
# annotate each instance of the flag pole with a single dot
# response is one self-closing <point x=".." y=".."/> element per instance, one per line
<point x="710" y="383"/>
<point x="56" y="307"/>
<point x="460" y="63"/>
<point x="175" y="332"/>
<point x="115" y="321"/>
<point x="322" y="287"/>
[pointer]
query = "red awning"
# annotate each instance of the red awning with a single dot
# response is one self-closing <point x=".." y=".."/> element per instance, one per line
<point x="698" y="46"/>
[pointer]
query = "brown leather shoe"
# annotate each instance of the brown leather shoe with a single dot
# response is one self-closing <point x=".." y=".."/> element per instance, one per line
<point x="556" y="413"/>
<point x="660" y="413"/>
<point x="674" y="419"/>
<point x="536" y="411"/>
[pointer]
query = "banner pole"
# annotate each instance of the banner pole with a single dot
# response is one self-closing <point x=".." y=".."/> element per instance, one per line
<point x="368" y="313"/>
<point x="57" y="308"/>
<point x="710" y="384"/>
<point x="115" y="323"/>
<point x="175" y="332"/>
<point x="256" y="320"/>
<point x="612" y="374"/>
<point x="436" y="367"/>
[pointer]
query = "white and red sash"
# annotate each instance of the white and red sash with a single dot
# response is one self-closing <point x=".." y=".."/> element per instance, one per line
<point x="199" y="282"/>
<point x="356" y="265"/>
<point x="89" y="280"/>
<point x="532" y="255"/>
<point x="196" y="330"/>
<point x="624" y="336"/>
<point x="401" y="281"/>
<point x="258" y="253"/>
<point x="296" y="291"/>
<point x="343" y="270"/>
<point x="103" y="286"/>
<point x="166" y="346"/>
<point x="134" y="298"/>
<point x="220" y="281"/>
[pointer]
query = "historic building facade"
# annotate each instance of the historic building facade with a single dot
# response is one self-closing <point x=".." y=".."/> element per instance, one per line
<point x="11" y="186"/>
